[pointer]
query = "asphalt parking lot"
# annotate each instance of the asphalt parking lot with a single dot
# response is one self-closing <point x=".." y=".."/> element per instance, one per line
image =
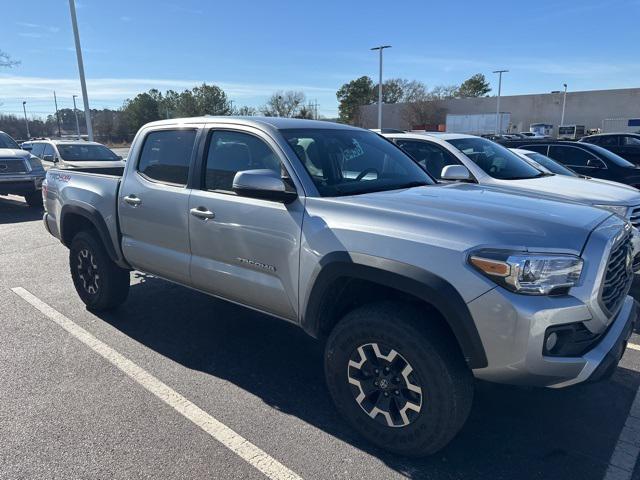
<point x="67" y="412"/>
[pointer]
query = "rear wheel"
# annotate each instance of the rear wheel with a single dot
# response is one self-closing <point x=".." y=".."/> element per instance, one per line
<point x="100" y="283"/>
<point x="398" y="379"/>
<point x="34" y="199"/>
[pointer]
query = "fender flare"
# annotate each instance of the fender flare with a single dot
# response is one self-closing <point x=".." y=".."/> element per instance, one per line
<point x="403" y="277"/>
<point x="95" y="218"/>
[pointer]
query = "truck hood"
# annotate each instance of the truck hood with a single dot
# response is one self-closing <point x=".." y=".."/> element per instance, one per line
<point x="591" y="191"/>
<point x="469" y="215"/>
<point x="14" y="153"/>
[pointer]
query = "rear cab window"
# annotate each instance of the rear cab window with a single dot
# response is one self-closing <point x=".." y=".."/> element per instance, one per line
<point x="166" y="156"/>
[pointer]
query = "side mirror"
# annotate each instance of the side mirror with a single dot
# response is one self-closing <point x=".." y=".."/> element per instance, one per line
<point x="455" y="172"/>
<point x="264" y="184"/>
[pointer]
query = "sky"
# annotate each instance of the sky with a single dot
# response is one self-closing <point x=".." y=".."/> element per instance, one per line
<point x="252" y="48"/>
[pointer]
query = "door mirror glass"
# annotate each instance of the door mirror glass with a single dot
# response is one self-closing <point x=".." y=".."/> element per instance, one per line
<point x="263" y="183"/>
<point x="455" y="172"/>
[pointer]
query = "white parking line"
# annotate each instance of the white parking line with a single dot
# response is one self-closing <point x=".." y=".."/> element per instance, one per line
<point x="633" y="346"/>
<point x="223" y="434"/>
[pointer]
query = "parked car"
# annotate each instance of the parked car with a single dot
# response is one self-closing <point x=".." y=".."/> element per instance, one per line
<point x="626" y="145"/>
<point x="585" y="159"/>
<point x="20" y="172"/>
<point x="417" y="287"/>
<point x="73" y="154"/>
<point x="533" y="135"/>
<point x="457" y="157"/>
<point x="544" y="163"/>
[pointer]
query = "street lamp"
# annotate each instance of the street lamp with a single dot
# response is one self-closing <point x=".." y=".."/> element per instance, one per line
<point x="24" y="109"/>
<point x="380" y="49"/>
<point x="498" y="117"/>
<point x="83" y="83"/>
<point x="75" y="111"/>
<point x="564" y="103"/>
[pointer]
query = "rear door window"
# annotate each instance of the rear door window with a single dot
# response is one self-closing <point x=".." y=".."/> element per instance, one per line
<point x="571" y="156"/>
<point x="37" y="149"/>
<point x="608" y="141"/>
<point x="166" y="156"/>
<point x="536" y="148"/>
<point x="48" y="150"/>
<point x="631" y="141"/>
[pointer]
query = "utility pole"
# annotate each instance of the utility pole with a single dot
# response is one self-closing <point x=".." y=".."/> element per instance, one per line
<point x="75" y="111"/>
<point x="55" y="101"/>
<point x="314" y="108"/>
<point x="380" y="49"/>
<point x="24" y="109"/>
<point x="498" y="116"/>
<point x="83" y="83"/>
<point x="564" y="104"/>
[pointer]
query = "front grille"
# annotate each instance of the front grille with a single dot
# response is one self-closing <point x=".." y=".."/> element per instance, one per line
<point x="619" y="274"/>
<point x="634" y="218"/>
<point x="12" y="166"/>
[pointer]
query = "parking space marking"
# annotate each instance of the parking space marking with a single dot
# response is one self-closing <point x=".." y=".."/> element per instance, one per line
<point x="223" y="434"/>
<point x="633" y="346"/>
<point x="625" y="454"/>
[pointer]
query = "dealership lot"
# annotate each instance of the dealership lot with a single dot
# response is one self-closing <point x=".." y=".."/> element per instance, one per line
<point x="70" y="413"/>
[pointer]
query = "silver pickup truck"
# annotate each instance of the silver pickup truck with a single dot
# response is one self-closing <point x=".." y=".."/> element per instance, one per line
<point x="415" y="287"/>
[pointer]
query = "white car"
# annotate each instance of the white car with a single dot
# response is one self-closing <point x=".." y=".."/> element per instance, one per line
<point x="73" y="154"/>
<point x="467" y="158"/>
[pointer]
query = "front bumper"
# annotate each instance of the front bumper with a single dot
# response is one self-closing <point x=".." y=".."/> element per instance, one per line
<point x="20" y="184"/>
<point x="512" y="329"/>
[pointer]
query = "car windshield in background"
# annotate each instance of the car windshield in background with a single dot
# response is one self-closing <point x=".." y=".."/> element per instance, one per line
<point x="550" y="164"/>
<point x="496" y="160"/>
<point x="7" y="142"/>
<point x="350" y="162"/>
<point x="609" y="155"/>
<point x="86" y="153"/>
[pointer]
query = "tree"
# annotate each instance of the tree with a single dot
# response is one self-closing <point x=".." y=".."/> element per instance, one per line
<point x="211" y="100"/>
<point x="187" y="105"/>
<point x="306" y="112"/>
<point x="142" y="109"/>
<point x="351" y="96"/>
<point x="444" y="92"/>
<point x="6" y="60"/>
<point x="475" y="86"/>
<point x="284" y="104"/>
<point x="392" y="90"/>
<point x="245" y="111"/>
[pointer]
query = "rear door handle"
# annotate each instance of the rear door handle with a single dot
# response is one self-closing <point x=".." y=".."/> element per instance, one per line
<point x="132" y="200"/>
<point x="202" y="212"/>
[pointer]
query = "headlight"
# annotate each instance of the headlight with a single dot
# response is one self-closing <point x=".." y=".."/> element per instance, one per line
<point x="620" y="210"/>
<point x="530" y="274"/>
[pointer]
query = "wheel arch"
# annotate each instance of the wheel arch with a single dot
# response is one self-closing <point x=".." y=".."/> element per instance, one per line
<point x="337" y="270"/>
<point x="76" y="218"/>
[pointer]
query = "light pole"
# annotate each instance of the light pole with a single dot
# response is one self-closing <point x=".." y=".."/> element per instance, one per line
<point x="83" y="83"/>
<point x="55" y="101"/>
<point x="75" y="112"/>
<point x="498" y="116"/>
<point x="380" y="49"/>
<point x="564" y="104"/>
<point x="24" y="109"/>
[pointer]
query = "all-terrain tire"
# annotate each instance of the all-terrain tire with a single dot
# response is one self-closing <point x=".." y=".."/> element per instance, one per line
<point x="437" y="370"/>
<point x="100" y="283"/>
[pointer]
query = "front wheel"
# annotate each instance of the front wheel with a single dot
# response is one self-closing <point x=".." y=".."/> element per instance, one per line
<point x="398" y="378"/>
<point x="100" y="283"/>
<point x="34" y="199"/>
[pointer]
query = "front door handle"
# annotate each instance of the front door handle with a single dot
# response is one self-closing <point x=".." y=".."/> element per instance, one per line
<point x="132" y="200"/>
<point x="202" y="212"/>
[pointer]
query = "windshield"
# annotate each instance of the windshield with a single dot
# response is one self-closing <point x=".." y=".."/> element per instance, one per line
<point x="496" y="160"/>
<point x="87" y="153"/>
<point x="350" y="162"/>
<point x="609" y="155"/>
<point x="7" y="142"/>
<point x="550" y="164"/>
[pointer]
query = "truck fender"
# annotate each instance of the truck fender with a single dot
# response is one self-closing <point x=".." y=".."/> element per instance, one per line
<point x="94" y="217"/>
<point x="406" y="278"/>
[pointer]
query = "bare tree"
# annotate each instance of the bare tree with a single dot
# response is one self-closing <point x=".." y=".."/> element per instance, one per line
<point x="6" y="60"/>
<point x="444" y="92"/>
<point x="284" y="104"/>
<point x="245" y="111"/>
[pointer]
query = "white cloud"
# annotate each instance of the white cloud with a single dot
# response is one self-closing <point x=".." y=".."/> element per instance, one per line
<point x="45" y="28"/>
<point x="126" y="19"/>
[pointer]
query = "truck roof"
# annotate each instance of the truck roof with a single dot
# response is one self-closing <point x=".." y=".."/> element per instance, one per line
<point x="277" y="123"/>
